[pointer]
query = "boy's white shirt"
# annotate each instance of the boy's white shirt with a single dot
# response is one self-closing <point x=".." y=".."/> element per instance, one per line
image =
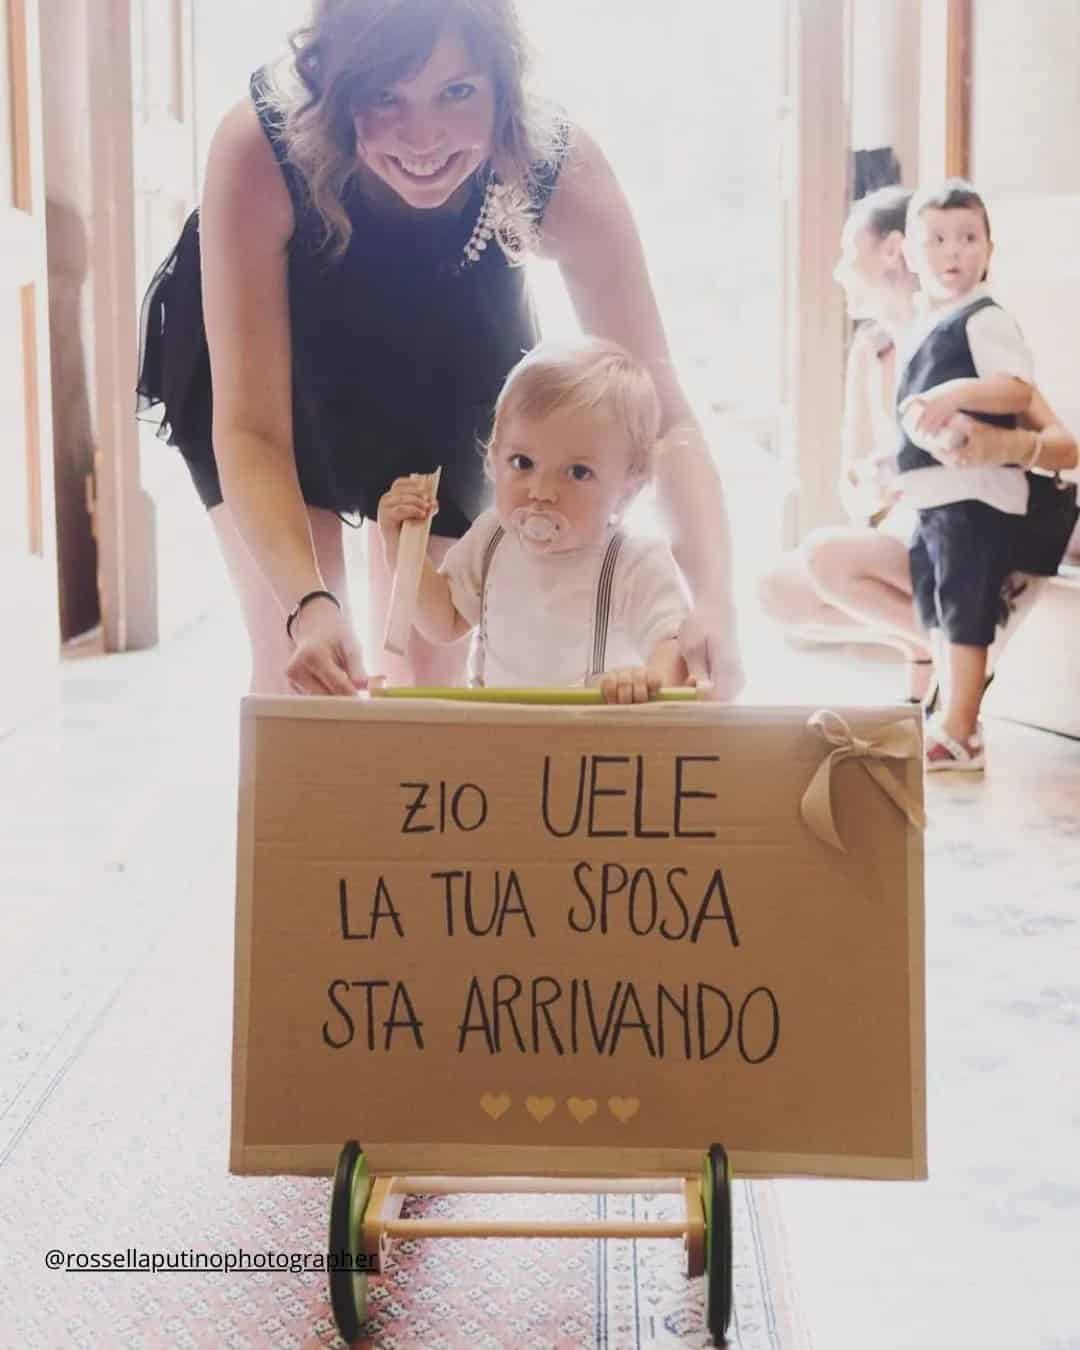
<point x="997" y="348"/>
<point x="540" y="606"/>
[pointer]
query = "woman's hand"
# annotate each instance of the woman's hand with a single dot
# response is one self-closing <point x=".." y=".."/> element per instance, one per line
<point x="327" y="658"/>
<point x="979" y="444"/>
<point x="406" y="499"/>
<point x="710" y="647"/>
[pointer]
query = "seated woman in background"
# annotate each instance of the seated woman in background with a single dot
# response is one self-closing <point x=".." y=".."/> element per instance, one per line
<point x="853" y="582"/>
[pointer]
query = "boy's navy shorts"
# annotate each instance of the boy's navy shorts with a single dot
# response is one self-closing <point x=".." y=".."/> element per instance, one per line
<point x="960" y="556"/>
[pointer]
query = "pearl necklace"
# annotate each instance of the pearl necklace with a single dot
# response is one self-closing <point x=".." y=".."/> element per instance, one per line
<point x="503" y="216"/>
<point x="484" y="229"/>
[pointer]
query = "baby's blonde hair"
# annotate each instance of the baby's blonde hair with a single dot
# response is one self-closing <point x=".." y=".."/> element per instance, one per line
<point x="588" y="373"/>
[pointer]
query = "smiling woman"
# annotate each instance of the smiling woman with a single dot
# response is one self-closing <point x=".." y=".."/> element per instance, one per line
<point x="409" y="107"/>
<point x="364" y="215"/>
<point x="424" y="136"/>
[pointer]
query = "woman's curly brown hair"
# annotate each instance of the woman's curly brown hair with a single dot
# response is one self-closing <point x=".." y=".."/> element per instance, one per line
<point x="353" y="49"/>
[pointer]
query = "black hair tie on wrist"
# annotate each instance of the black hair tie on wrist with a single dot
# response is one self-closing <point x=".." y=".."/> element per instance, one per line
<point x="295" y="612"/>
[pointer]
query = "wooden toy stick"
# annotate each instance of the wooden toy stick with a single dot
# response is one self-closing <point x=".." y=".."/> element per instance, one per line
<point x="592" y="697"/>
<point x="412" y="549"/>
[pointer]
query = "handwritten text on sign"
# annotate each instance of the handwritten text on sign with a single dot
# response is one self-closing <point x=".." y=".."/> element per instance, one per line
<point x="610" y="798"/>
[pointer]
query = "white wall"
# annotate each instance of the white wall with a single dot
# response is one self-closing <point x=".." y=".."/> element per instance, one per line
<point x="885" y="79"/>
<point x="1025" y="113"/>
<point x="1025" y="105"/>
<point x="233" y="38"/>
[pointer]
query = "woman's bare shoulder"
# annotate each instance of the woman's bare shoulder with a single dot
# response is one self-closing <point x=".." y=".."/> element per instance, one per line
<point x="586" y="193"/>
<point x="243" y="177"/>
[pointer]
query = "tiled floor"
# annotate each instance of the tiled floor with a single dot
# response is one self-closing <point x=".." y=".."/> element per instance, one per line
<point x="135" y="764"/>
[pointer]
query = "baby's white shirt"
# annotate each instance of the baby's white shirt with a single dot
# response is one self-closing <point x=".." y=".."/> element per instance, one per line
<point x="540" y="606"/>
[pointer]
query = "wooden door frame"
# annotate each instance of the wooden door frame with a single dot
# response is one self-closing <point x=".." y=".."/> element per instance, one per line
<point x="123" y="513"/>
<point x="945" y="89"/>
<point x="28" y="196"/>
<point x="816" y="192"/>
<point x="29" y="598"/>
<point x="958" y="89"/>
<point x="28" y="271"/>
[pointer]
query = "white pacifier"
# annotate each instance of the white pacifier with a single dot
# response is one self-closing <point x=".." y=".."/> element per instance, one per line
<point x="539" y="528"/>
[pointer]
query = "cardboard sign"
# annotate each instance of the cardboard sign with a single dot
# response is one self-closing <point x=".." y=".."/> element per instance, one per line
<point x="563" y="941"/>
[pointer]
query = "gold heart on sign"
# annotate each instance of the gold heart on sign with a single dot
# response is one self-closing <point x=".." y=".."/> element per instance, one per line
<point x="495" y="1106"/>
<point x="581" y="1108"/>
<point x="623" y="1108"/>
<point x="539" y="1107"/>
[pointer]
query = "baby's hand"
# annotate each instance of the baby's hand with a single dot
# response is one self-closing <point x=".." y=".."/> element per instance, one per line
<point x="407" y="499"/>
<point x="635" y="684"/>
<point x="925" y="418"/>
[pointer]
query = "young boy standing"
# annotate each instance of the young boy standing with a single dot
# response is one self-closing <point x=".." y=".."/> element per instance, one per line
<point x="964" y="354"/>
<point x="557" y="594"/>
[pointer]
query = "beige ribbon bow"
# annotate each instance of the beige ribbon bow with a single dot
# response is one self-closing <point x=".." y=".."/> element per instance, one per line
<point x="898" y="740"/>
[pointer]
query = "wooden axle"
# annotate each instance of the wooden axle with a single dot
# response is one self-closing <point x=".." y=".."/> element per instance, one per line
<point x="382" y="1220"/>
<point x="537" y="1186"/>
<point x="519" y="1228"/>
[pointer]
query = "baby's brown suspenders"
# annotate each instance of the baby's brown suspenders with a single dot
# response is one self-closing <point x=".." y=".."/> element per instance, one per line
<point x="601" y="619"/>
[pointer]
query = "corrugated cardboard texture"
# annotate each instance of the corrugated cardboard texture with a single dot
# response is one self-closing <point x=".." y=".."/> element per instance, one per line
<point x="572" y="941"/>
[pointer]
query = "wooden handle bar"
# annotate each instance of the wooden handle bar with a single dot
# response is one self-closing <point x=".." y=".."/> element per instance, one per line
<point x="592" y="697"/>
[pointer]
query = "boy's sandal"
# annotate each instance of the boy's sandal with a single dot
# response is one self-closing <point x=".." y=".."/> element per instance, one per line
<point x="944" y="754"/>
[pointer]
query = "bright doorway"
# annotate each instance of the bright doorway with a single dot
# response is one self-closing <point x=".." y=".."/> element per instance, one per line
<point x="688" y="118"/>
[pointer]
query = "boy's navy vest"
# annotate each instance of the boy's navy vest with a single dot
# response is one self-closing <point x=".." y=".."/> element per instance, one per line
<point x="944" y="355"/>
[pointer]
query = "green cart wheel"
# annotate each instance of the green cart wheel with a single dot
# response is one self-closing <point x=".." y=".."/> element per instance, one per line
<point x="348" y="1286"/>
<point x="719" y="1276"/>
